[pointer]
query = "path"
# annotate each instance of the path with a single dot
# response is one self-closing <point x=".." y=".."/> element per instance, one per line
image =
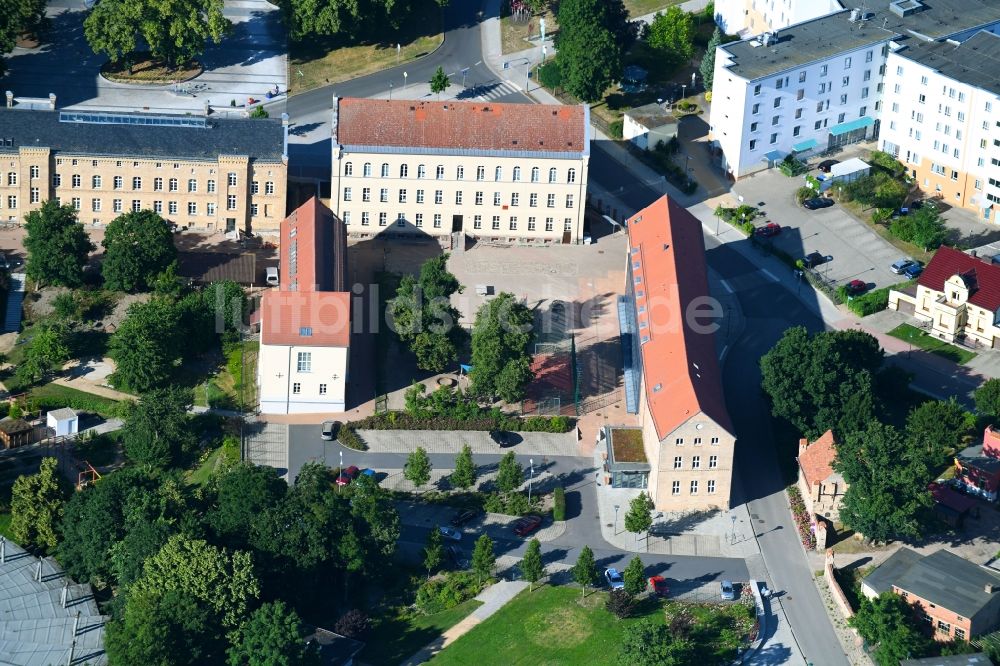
<point x="494" y="598"/>
<point x="80" y="384"/>
<point x="15" y="296"/>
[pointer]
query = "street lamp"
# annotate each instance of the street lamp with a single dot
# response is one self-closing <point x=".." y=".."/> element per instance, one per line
<point x="684" y="88"/>
<point x="732" y="517"/>
<point x="341" y="470"/>
<point x="404" y="80"/>
<point x="616" y="519"/>
<point x="531" y="463"/>
<point x="390" y="90"/>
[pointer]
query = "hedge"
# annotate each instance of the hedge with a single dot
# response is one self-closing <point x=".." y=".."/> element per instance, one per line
<point x="870" y="303"/>
<point x="54" y="396"/>
<point x="394" y="420"/>
<point x="349" y="438"/>
<point x="558" y="503"/>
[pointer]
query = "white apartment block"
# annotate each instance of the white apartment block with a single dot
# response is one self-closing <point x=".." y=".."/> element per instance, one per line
<point x="501" y="172"/>
<point x="942" y="120"/>
<point x="752" y="17"/>
<point x="821" y="84"/>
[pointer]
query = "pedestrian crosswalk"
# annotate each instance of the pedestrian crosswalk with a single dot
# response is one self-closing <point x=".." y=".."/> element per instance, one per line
<point x="491" y="91"/>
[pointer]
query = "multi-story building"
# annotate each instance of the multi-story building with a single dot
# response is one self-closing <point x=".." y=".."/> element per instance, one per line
<point x="942" y="119"/>
<point x="752" y="17"/>
<point x="505" y="172"/>
<point x="305" y="324"/>
<point x="820" y="84"/>
<point x="202" y="173"/>
<point x="672" y="372"/>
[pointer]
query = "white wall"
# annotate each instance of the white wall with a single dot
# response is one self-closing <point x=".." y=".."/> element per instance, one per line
<point x="277" y="372"/>
<point x="757" y="16"/>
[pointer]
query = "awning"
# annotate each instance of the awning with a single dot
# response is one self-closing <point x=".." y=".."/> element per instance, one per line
<point x="808" y="144"/>
<point x="844" y="128"/>
<point x="773" y="156"/>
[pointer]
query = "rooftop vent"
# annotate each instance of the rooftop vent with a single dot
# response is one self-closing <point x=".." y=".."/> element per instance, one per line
<point x="855" y="15"/>
<point x="659" y="387"/>
<point x="989" y="588"/>
<point x="905" y="7"/>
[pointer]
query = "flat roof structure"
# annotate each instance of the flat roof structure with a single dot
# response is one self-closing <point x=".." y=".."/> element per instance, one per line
<point x="976" y="61"/>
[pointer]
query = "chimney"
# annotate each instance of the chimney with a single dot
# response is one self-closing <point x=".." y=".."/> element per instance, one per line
<point x="989" y="588"/>
<point x="10" y="99"/>
<point x="803" y="445"/>
<point x="52" y="101"/>
<point x="973" y="253"/>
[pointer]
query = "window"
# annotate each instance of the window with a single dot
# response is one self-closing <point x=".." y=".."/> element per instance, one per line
<point x="480" y="173"/>
<point x="171" y="207"/>
<point x="867" y="76"/>
<point x="477" y="222"/>
<point x="420" y="196"/>
<point x="304" y="362"/>
<point x="550" y="201"/>
<point x="678" y="462"/>
<point x="899" y="71"/>
<point x="531" y="224"/>
<point x="513" y="224"/>
<point x="173" y="184"/>
<point x="95" y="205"/>
<point x="210" y="187"/>
<point x="296" y="388"/>
<point x="862" y="111"/>
<point x="675" y="488"/>
<point x="33" y="171"/>
<point x="419" y="220"/>
<point x="116" y="205"/>
<point x="552" y="175"/>
<point x="711" y="486"/>
<point x="439" y="172"/>
<point x="567" y="224"/>
<point x="231" y="202"/>
<point x="959" y="634"/>
<point x="12" y="178"/>
<point x="713" y="462"/>
<point x="517" y="173"/>
<point x="777" y="102"/>
<point x="421" y="171"/>
<point x="779" y="84"/>
<point x="796" y="130"/>
<point x="193" y="208"/>
<point x="694" y="487"/>
<point x="756" y="90"/>
<point x="157" y="207"/>
<point x="715" y="440"/>
<point x="514" y="198"/>
<point x="943" y="627"/>
<point x="495" y="223"/>
<point x="774" y="120"/>
<point x="774" y="138"/>
<point x="535" y="172"/>
<point x="232" y="179"/>
<point x="571" y="176"/>
<point x="569" y="201"/>
<point x="496" y="198"/>
<point x="847" y="63"/>
<point x="34" y="195"/>
<point x="753" y="126"/>
<point x="136" y="183"/>
<point x="753" y="144"/>
<point x="696" y="462"/>
<point x="347" y="194"/>
<point x="823" y="70"/>
<point x="548" y="223"/>
<point x="802" y="77"/>
<point x="400" y="220"/>
<point x="348" y="169"/>
<point x="136" y="205"/>
<point x="269" y="187"/>
<point x="75" y="180"/>
<point x="366" y="193"/>
<point x="210" y="209"/>
<point x="402" y="196"/>
<point x="497" y="173"/>
<point x="403" y="170"/>
<point x="383" y="195"/>
<point x="679" y="441"/>
<point x="322" y="389"/>
<point x="347" y="216"/>
<point x="366" y="170"/>
<point x="479" y="198"/>
<point x="384" y="170"/>
<point x="840" y="117"/>
<point x="756" y="109"/>
<point x="843" y="99"/>
<point x="437" y="220"/>
<point x="533" y="200"/>
<point x="439" y="197"/>
<point x="460" y="173"/>
<point x="383" y="219"/>
<point x="75" y="202"/>
<point x="800" y="94"/>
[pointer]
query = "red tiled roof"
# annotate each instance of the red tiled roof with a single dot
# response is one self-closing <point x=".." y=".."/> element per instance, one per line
<point x="982" y="277"/>
<point x="463" y="125"/>
<point x="680" y="367"/>
<point x="991" y="442"/>
<point x="304" y="230"/>
<point x="310" y="319"/>
<point x="817" y="460"/>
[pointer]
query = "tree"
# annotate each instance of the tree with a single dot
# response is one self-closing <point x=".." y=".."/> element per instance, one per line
<point x="36" y="507"/>
<point x="157" y="431"/>
<point x="259" y="112"/>
<point x="16" y="18"/>
<point x="138" y="246"/>
<point x="48" y="350"/>
<point x="672" y="34"/>
<point x="887" y="622"/>
<point x="111" y="29"/>
<point x="635" y="576"/>
<point x="57" y="245"/>
<point x="227" y="300"/>
<point x="146" y="348"/>
<point x="242" y="493"/>
<point x="417" y="468"/>
<point x="433" y="551"/>
<point x="923" y="227"/>
<point x="647" y="643"/>
<point x="887" y="481"/>
<point x="588" y="54"/>
<point x="987" y="398"/>
<point x="585" y="570"/>
<point x="532" y="568"/>
<point x="308" y="18"/>
<point x="422" y="315"/>
<point x="483" y="558"/>
<point x="372" y="506"/>
<point x="707" y="66"/>
<point x="272" y="636"/>
<point x="639" y="517"/>
<point x="938" y="427"/>
<point x="439" y="82"/>
<point x="824" y="381"/>
<point x="464" y="475"/>
<point x="501" y="343"/>
<point x="510" y="474"/>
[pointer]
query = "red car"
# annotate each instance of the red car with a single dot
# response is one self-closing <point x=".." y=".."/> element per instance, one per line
<point x="348" y="475"/>
<point x="527" y="525"/>
<point x="855" y="287"/>
<point x="768" y="230"/>
<point x="658" y="586"/>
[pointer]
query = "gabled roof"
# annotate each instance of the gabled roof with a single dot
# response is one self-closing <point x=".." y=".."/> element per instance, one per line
<point x="882" y="579"/>
<point x="982" y="278"/>
<point x="461" y="125"/>
<point x="817" y="460"/>
<point x="680" y="367"/>
<point x="306" y="319"/>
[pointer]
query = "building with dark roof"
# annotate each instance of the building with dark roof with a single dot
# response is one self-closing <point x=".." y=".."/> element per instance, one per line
<point x="957" y="598"/>
<point x="958" y="295"/>
<point x="305" y="323"/>
<point x="503" y="172"/>
<point x="672" y="372"/>
<point x="978" y="467"/>
<point x="209" y="174"/>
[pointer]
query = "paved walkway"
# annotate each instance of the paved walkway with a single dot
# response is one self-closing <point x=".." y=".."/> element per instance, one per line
<point x="493" y="598"/>
<point x="83" y="385"/>
<point x="15" y="296"/>
<point x="444" y="441"/>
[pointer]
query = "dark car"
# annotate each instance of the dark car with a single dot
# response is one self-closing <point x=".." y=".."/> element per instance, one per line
<point x="768" y="230"/>
<point x="464" y="517"/>
<point x="855" y="287"/>
<point x="826" y="165"/>
<point x="348" y="475"/>
<point x="813" y="259"/>
<point x="527" y="525"/>
<point x="817" y="203"/>
<point x="457" y="557"/>
<point x="913" y="271"/>
<point x="501" y="437"/>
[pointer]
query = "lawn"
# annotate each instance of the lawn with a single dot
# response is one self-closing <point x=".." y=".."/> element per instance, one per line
<point x="552" y="625"/>
<point x="212" y="460"/>
<point x="638" y="8"/>
<point x="53" y="396"/>
<point x="319" y="61"/>
<point x="514" y="36"/>
<point x="396" y="637"/>
<point x="918" y="338"/>
<point x="228" y="388"/>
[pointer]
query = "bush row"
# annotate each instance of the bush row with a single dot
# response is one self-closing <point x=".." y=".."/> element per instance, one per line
<point x="874" y="301"/>
<point x="350" y="438"/>
<point x="803" y="522"/>
<point x="514" y="504"/>
<point x="558" y="503"/>
<point x="440" y="594"/>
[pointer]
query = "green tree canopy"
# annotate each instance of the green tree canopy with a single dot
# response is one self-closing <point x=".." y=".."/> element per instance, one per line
<point x="36" y="507"/>
<point x="331" y="17"/>
<point x="635" y="576"/>
<point x="987" y="398"/>
<point x="417" y="468"/>
<point x="532" y="567"/>
<point x="589" y="52"/>
<point x="923" y="227"/>
<point x="824" y="381"/>
<point x="639" y="517"/>
<point x="228" y="302"/>
<point x="464" y="475"/>
<point x="137" y="247"/>
<point x="272" y="636"/>
<point x="671" y="33"/>
<point x="242" y="493"/>
<point x="439" y="82"/>
<point x="18" y="17"/>
<point x="374" y="510"/>
<point x="483" y="557"/>
<point x="146" y="347"/>
<point x="585" y="570"/>
<point x="510" y="474"/>
<point x="433" y="551"/>
<point x="47" y="351"/>
<point x="157" y="430"/>
<point x="424" y="318"/>
<point x="707" y="66"/>
<point x="57" y="245"/>
<point x="501" y="349"/>
<point x="887" y="480"/>
<point x="649" y="643"/>
<point x="887" y="622"/>
<point x="938" y="428"/>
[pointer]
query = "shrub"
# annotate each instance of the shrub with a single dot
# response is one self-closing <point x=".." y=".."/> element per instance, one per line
<point x="617" y="129"/>
<point x="558" y="503"/>
<point x="514" y="504"/>
<point x="747" y="228"/>
<point x="803" y="193"/>
<point x="802" y="518"/>
<point x="349" y="438"/>
<point x="474" y="418"/>
<point x="353" y="624"/>
<point x="870" y="303"/>
<point x="65" y="306"/>
<point x="620" y="603"/>
<point x="440" y="594"/>
<point x="549" y="75"/>
<point x="791" y="167"/>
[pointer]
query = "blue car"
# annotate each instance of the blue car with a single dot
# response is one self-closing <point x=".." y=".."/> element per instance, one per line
<point x="913" y="270"/>
<point x="614" y="578"/>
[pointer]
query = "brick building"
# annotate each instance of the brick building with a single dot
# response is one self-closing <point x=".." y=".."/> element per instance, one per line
<point x="821" y="486"/>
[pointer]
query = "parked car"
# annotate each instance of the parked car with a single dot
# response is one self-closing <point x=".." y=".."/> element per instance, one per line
<point x="348" y="475"/>
<point x="457" y="557"/>
<point x="826" y="165"/>
<point x="913" y="271"/>
<point x="501" y="437"/>
<point x="726" y="589"/>
<point x="527" y="525"/>
<point x="768" y="230"/>
<point x="450" y="533"/>
<point x="658" y="586"/>
<point x="271" y="276"/>
<point x="817" y="202"/>
<point x="464" y="517"/>
<point x="813" y="259"/>
<point x="855" y="287"/>
<point x="329" y="430"/>
<point x="614" y="578"/>
<point x="901" y="265"/>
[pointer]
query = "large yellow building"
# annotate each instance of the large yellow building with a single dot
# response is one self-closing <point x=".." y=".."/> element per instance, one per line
<point x="501" y="172"/>
<point x="201" y="173"/>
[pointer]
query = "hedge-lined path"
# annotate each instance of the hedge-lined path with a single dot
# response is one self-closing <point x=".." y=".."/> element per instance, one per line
<point x="452" y="441"/>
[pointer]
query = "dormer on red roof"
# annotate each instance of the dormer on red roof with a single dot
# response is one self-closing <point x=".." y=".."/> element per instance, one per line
<point x="981" y="277"/>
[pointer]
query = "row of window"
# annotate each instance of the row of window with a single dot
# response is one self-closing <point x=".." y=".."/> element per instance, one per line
<point x="697" y="440"/>
<point x="297" y="388"/>
<point x="173" y="184"/>
<point x="404" y="171"/>
<point x="402" y="197"/>
<point x="675" y="487"/>
<point x="477" y="222"/>
<point x="782" y="82"/>
<point x="118" y="205"/>
<point x="713" y="462"/>
<point x="797" y="130"/>
<point x="118" y="163"/>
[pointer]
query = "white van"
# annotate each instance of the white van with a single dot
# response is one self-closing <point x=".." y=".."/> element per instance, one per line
<point x="271" y="275"/>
